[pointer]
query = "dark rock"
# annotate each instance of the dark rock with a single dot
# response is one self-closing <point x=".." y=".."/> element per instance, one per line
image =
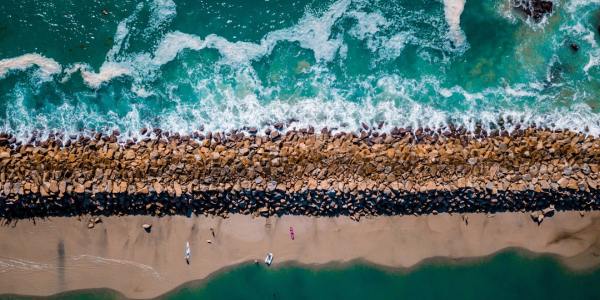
<point x="536" y="9"/>
<point x="147" y="227"/>
<point x="574" y="47"/>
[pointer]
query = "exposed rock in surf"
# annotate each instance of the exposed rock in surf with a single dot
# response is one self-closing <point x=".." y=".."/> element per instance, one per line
<point x="574" y="47"/>
<point x="536" y="9"/>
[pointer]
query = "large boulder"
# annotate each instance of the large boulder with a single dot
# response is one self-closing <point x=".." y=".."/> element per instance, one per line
<point x="536" y="9"/>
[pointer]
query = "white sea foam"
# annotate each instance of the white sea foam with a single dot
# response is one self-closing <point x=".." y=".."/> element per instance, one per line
<point x="311" y="32"/>
<point x="393" y="46"/>
<point x="107" y="72"/>
<point x="593" y="61"/>
<point x="46" y="66"/>
<point x="367" y="24"/>
<point x="395" y="105"/>
<point x="452" y="11"/>
<point x="237" y="52"/>
<point x="424" y="102"/>
<point x="162" y="12"/>
<point x="574" y="5"/>
<point x="579" y="13"/>
<point x="122" y="33"/>
<point x="594" y="53"/>
<point x="581" y="31"/>
<point x="229" y="109"/>
<point x="173" y="43"/>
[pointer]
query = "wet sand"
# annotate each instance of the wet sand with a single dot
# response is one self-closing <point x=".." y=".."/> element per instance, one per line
<point x="61" y="254"/>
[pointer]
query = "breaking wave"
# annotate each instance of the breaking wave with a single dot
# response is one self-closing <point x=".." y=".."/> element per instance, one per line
<point x="337" y="67"/>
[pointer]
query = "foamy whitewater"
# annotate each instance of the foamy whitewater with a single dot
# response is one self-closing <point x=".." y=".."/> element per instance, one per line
<point x="186" y="65"/>
<point x="46" y="66"/>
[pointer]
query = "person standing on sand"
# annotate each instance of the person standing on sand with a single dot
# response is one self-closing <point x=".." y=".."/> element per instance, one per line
<point x="188" y="252"/>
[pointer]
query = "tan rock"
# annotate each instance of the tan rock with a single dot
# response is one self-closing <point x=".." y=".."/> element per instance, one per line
<point x="157" y="187"/>
<point x="129" y="154"/>
<point x="312" y="183"/>
<point x="123" y="186"/>
<point x="563" y="182"/>
<point x="298" y="185"/>
<point x="324" y="185"/>
<point x="390" y="153"/>
<point x="573" y="184"/>
<point x="53" y="187"/>
<point x="79" y="188"/>
<point x="62" y="187"/>
<point x="177" y="189"/>
<point x="430" y="186"/>
<point x="548" y="211"/>
<point x="591" y="183"/>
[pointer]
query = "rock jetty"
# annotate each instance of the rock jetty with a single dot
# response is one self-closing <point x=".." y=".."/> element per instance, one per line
<point x="300" y="172"/>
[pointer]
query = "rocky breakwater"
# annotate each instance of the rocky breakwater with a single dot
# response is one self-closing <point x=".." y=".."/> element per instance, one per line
<point x="301" y="172"/>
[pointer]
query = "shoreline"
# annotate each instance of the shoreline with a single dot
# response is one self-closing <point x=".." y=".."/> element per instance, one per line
<point x="151" y="264"/>
<point x="398" y="270"/>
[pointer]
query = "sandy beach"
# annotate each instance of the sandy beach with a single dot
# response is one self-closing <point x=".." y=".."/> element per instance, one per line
<point x="62" y="254"/>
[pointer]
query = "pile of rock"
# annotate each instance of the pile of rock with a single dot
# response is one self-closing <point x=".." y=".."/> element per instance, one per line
<point x="403" y="171"/>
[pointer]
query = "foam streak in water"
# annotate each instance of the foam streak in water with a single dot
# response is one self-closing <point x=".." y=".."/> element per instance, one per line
<point x="47" y="66"/>
<point x="311" y="32"/>
<point x="452" y="11"/>
<point x="234" y="91"/>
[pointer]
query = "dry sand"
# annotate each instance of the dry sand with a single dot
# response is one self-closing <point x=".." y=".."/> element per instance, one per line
<point x="61" y="254"/>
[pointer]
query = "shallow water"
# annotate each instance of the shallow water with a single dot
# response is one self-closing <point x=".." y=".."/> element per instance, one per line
<point x="504" y="276"/>
<point x="508" y="275"/>
<point x="182" y="65"/>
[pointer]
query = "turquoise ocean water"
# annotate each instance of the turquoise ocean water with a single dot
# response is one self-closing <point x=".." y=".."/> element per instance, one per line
<point x="505" y="276"/>
<point x="182" y="65"/>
